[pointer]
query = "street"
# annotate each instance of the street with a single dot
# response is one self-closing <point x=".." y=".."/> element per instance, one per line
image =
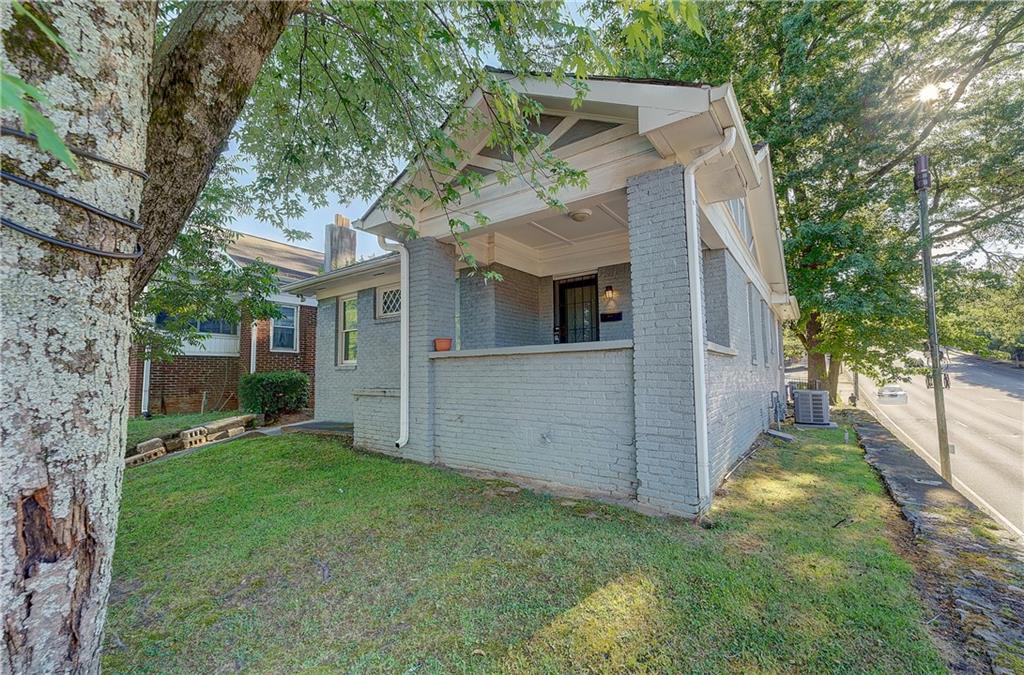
<point x="985" y="413"/>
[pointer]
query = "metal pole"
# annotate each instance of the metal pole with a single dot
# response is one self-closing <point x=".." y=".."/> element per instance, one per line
<point x="923" y="181"/>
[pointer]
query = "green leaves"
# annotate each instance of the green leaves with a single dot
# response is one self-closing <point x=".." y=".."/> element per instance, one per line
<point x="19" y="96"/>
<point x="22" y="98"/>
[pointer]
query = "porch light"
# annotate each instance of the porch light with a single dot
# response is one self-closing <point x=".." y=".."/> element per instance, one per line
<point x="580" y="215"/>
<point x="609" y="292"/>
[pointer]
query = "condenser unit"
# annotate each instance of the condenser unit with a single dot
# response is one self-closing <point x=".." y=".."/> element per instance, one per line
<point x="810" y="406"/>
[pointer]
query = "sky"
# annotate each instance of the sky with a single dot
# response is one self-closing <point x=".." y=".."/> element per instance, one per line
<point x="314" y="220"/>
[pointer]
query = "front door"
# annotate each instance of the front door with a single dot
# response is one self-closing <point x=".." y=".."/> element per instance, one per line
<point x="577" y="309"/>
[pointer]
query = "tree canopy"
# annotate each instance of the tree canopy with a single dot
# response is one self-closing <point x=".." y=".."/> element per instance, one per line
<point x="846" y="93"/>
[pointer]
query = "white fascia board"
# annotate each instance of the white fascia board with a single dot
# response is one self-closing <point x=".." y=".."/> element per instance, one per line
<point x="764" y="221"/>
<point x="727" y="110"/>
<point x="368" y="272"/>
<point x="667" y="96"/>
<point x="290" y="299"/>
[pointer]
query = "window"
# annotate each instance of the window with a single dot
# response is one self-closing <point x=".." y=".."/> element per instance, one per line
<point x="210" y="326"/>
<point x="389" y="301"/>
<point x="716" y="297"/>
<point x="349" y="315"/>
<point x="751" y="321"/>
<point x="738" y="209"/>
<point x="284" y="332"/>
<point x="764" y="331"/>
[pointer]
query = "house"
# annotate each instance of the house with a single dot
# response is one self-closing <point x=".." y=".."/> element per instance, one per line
<point x="633" y="349"/>
<point x="205" y="376"/>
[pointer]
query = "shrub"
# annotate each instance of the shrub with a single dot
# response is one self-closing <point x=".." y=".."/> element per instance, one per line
<point x="274" y="393"/>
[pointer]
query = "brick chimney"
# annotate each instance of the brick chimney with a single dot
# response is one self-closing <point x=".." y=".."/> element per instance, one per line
<point x="339" y="244"/>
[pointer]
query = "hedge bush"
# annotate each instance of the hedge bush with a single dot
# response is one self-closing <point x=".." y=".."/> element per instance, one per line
<point x="274" y="393"/>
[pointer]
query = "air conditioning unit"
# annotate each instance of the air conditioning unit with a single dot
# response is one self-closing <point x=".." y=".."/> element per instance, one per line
<point x="810" y="406"/>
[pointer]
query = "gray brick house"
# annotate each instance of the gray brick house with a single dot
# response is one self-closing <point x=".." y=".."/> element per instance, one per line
<point x="634" y="344"/>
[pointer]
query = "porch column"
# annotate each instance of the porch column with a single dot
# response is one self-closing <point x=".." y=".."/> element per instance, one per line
<point x="663" y="368"/>
<point x="431" y="315"/>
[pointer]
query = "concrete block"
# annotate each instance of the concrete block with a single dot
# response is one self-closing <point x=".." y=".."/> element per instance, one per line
<point x="235" y="431"/>
<point x="148" y="456"/>
<point x="193" y="437"/>
<point x="147" y="446"/>
<point x="174" y="444"/>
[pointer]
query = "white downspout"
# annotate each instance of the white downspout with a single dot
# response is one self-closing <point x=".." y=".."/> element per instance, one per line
<point x="693" y="256"/>
<point x="146" y="376"/>
<point x="252" y="346"/>
<point x="403" y="392"/>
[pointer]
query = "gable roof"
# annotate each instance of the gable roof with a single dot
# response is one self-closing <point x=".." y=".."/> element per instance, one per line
<point x="293" y="263"/>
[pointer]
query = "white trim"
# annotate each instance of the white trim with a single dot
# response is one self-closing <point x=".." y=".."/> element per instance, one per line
<point x="378" y="301"/>
<point x="403" y="352"/>
<point x="295" y="347"/>
<point x="594" y="346"/>
<point x="715" y="348"/>
<point x="340" y="330"/>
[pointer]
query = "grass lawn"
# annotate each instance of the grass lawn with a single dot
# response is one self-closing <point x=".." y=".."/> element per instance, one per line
<point x="294" y="552"/>
<point x="140" y="429"/>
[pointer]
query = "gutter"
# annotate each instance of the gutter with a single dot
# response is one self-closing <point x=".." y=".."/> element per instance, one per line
<point x="693" y="256"/>
<point x="403" y="415"/>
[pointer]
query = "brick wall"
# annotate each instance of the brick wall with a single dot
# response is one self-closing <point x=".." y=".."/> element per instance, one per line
<point x="616" y="276"/>
<point x="377" y="358"/>
<point x="266" y="360"/>
<point x="739" y="391"/>
<point x="666" y="445"/>
<point x="179" y="386"/>
<point x="376" y="419"/>
<point x="564" y="418"/>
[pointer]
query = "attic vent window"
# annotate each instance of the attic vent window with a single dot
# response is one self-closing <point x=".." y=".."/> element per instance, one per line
<point x="543" y="125"/>
<point x="581" y="130"/>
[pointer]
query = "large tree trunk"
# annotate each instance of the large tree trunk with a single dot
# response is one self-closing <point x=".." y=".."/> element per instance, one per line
<point x="202" y="75"/>
<point x="65" y="333"/>
<point x="835" y="367"/>
<point x="816" y="363"/>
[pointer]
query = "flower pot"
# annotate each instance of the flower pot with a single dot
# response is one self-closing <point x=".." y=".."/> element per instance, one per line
<point x="442" y="344"/>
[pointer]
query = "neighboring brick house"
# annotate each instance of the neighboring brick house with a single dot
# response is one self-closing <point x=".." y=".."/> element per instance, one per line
<point x="633" y="348"/>
<point x="206" y="377"/>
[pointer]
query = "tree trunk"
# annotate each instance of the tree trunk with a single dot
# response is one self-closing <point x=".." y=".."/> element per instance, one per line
<point x="64" y="337"/>
<point x="816" y="364"/>
<point x="835" y="367"/>
<point x="202" y="75"/>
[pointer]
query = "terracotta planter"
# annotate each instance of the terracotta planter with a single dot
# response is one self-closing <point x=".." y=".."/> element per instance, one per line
<point x="442" y="344"/>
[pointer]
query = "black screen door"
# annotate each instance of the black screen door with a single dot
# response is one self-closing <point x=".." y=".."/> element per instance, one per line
<point x="577" y="310"/>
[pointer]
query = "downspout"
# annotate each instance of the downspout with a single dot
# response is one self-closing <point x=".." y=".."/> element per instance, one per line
<point x="146" y="376"/>
<point x="693" y="256"/>
<point x="403" y="392"/>
<point x="252" y="346"/>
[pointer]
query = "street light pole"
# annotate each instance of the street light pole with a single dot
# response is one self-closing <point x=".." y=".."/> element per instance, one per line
<point x="923" y="181"/>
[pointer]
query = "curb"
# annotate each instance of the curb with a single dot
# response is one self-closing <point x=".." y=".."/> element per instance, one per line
<point x="979" y="570"/>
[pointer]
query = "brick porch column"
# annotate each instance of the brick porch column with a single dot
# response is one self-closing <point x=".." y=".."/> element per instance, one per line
<point x="431" y="315"/>
<point x="666" y="437"/>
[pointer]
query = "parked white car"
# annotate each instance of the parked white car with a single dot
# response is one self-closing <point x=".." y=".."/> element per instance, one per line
<point x="892" y="394"/>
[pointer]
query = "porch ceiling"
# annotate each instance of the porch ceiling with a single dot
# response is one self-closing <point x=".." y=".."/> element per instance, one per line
<point x="553" y="242"/>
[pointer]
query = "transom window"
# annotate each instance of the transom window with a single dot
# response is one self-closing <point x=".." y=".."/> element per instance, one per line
<point x="349" y="315"/>
<point x="389" y="301"/>
<point x="284" y="332"/>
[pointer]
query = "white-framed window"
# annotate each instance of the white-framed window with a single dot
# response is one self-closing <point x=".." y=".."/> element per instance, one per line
<point x="389" y="301"/>
<point x="348" y="330"/>
<point x="752" y="322"/>
<point x="284" y="331"/>
<point x="207" y="326"/>
<point x="738" y="209"/>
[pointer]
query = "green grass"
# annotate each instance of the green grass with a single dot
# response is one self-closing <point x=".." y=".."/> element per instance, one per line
<point x="296" y="553"/>
<point x="140" y="429"/>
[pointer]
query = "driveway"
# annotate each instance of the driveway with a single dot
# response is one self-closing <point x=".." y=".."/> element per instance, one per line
<point x="985" y="414"/>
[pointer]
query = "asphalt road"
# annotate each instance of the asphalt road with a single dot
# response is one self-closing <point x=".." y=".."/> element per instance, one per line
<point x="985" y="418"/>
